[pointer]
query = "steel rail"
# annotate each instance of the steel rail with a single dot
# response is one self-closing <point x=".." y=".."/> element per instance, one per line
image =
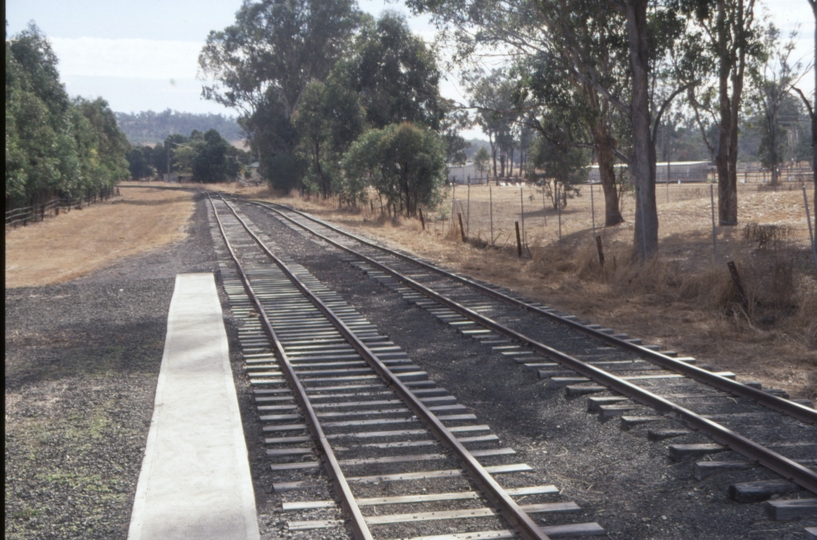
<point x="497" y="496"/>
<point x="772" y="460"/>
<point x="348" y="502"/>
<point x="785" y="406"/>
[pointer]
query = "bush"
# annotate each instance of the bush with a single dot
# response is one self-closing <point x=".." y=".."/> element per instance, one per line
<point x="283" y="172"/>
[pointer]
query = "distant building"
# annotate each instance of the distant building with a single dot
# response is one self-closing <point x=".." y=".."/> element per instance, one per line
<point x="460" y="174"/>
<point x="674" y="171"/>
<point x="175" y="178"/>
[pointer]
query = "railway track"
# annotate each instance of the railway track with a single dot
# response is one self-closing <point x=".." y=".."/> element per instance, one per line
<point x="359" y="439"/>
<point x="672" y="397"/>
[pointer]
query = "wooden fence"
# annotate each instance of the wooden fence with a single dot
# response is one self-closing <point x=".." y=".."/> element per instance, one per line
<point x="52" y="208"/>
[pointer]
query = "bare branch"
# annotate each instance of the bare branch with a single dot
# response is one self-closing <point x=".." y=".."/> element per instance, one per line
<point x="800" y="92"/>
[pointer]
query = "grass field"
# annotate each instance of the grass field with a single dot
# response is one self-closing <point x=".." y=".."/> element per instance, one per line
<point x="78" y="242"/>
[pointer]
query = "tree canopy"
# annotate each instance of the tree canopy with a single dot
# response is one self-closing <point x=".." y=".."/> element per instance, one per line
<point x="403" y="162"/>
<point x="310" y="78"/>
<point x="54" y="145"/>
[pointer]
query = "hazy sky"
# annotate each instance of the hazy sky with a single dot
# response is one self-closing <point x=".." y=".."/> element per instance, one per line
<point x="140" y="55"/>
<point x="143" y="55"/>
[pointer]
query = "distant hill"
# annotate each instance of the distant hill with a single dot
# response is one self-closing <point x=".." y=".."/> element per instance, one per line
<point x="148" y="127"/>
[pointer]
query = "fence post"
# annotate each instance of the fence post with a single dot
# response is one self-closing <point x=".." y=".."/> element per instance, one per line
<point x="714" y="233"/>
<point x="462" y="229"/>
<point x="593" y="210"/>
<point x="810" y="233"/>
<point x="559" y="207"/>
<point x="453" y="201"/>
<point x="522" y="209"/>
<point x="733" y="270"/>
<point x="422" y="219"/>
<point x="468" y="210"/>
<point x="600" y="249"/>
<point x="518" y="240"/>
<point x="491" y="210"/>
<point x="544" y="207"/>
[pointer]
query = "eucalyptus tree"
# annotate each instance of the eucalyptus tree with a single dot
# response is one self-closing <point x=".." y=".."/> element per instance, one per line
<point x="262" y="63"/>
<point x="571" y="114"/>
<point x="773" y="82"/>
<point x="492" y="95"/>
<point x="328" y="120"/>
<point x="403" y="162"/>
<point x="212" y="159"/>
<point x="453" y="122"/>
<point x="716" y="52"/>
<point x="562" y="165"/>
<point x="41" y="156"/>
<point x="396" y="74"/>
<point x="101" y="145"/>
<point x="812" y="110"/>
<point x="481" y="160"/>
<point x="574" y="33"/>
<point x="54" y="145"/>
<point x="138" y="163"/>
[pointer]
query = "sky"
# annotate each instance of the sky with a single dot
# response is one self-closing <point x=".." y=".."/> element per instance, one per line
<point x="143" y="55"/>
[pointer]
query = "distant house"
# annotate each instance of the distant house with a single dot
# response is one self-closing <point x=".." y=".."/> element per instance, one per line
<point x="254" y="178"/>
<point x="461" y="174"/>
<point x="674" y="171"/>
<point x="175" y="178"/>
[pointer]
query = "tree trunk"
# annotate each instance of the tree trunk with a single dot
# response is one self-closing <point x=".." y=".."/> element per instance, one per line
<point x="773" y="140"/>
<point x="642" y="164"/>
<point x="603" y="144"/>
<point x="493" y="151"/>
<point x="814" y="115"/>
<point x="521" y="161"/>
<point x="324" y="182"/>
<point x="727" y="156"/>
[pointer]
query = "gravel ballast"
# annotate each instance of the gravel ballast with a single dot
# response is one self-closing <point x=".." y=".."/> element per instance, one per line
<point x="620" y="479"/>
<point x="82" y="360"/>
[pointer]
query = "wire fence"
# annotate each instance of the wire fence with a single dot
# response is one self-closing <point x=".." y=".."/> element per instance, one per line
<point x="37" y="212"/>
<point x="687" y="215"/>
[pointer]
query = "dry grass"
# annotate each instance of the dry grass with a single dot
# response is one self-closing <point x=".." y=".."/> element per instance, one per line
<point x="681" y="300"/>
<point x="81" y="241"/>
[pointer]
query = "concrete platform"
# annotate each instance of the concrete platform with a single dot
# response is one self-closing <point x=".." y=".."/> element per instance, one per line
<point x="195" y="480"/>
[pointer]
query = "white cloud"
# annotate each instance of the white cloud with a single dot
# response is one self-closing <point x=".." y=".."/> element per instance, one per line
<point x="127" y="58"/>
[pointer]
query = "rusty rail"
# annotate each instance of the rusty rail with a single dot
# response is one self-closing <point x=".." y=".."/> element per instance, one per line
<point x="358" y="522"/>
<point x="772" y="460"/>
<point x="518" y="518"/>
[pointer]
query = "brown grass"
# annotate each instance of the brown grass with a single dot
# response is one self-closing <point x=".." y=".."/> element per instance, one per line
<point x="681" y="300"/>
<point x="78" y="242"/>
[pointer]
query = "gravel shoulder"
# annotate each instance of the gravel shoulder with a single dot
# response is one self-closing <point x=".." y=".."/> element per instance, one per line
<point x="82" y="360"/>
